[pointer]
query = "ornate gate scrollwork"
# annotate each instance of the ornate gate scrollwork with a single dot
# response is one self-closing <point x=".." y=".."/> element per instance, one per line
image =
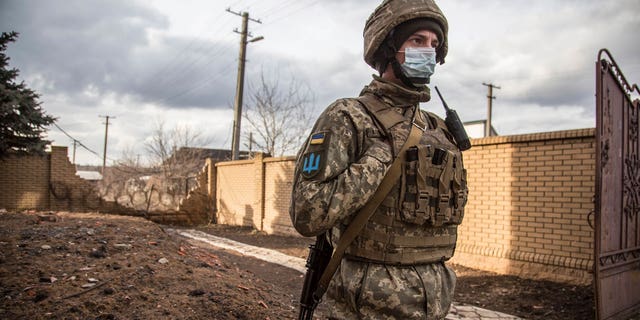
<point x="617" y="208"/>
<point x="631" y="194"/>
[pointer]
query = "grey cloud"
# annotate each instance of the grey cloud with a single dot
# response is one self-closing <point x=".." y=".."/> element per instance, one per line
<point x="183" y="72"/>
<point x="97" y="48"/>
<point x="543" y="56"/>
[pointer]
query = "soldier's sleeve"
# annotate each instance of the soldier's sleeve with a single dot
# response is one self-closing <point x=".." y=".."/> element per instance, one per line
<point x="336" y="171"/>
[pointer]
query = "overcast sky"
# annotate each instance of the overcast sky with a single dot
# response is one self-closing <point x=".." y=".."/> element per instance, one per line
<point x="145" y="62"/>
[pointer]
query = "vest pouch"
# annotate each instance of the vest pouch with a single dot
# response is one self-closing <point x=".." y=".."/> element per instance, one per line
<point x="445" y="202"/>
<point x="461" y="193"/>
<point x="420" y="189"/>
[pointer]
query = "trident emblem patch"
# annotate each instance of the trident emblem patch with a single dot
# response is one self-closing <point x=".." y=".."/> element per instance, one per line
<point x="311" y="164"/>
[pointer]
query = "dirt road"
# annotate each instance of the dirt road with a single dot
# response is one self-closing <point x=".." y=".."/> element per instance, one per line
<point x="95" y="266"/>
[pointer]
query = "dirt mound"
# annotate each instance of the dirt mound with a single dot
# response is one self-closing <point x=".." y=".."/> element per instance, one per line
<point x="92" y="266"/>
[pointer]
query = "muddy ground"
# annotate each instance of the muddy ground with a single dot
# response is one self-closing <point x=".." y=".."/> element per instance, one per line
<point x="95" y="266"/>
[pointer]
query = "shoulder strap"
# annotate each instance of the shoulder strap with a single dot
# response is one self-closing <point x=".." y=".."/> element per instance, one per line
<point x="440" y="124"/>
<point x="438" y="121"/>
<point x="370" y="207"/>
<point x="382" y="112"/>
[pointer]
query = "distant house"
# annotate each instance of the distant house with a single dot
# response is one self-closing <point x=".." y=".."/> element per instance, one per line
<point x="476" y="129"/>
<point x="202" y="154"/>
<point x="89" y="175"/>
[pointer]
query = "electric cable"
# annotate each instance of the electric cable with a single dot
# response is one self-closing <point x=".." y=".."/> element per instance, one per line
<point x="76" y="140"/>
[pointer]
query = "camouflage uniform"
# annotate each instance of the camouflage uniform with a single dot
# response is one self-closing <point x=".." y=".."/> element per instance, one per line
<point x="395" y="268"/>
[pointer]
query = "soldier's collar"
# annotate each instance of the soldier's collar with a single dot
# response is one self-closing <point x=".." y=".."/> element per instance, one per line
<point x="398" y="95"/>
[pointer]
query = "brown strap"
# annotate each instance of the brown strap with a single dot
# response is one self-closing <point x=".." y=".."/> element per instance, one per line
<point x="370" y="207"/>
<point x="383" y="112"/>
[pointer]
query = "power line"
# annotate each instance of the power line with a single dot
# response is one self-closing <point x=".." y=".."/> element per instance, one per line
<point x="174" y="59"/>
<point x="76" y="140"/>
<point x="292" y="12"/>
<point x="187" y="70"/>
<point x="222" y="72"/>
<point x="185" y="67"/>
<point x="277" y="7"/>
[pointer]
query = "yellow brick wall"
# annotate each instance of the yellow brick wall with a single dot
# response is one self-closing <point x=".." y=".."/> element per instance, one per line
<point x="24" y="182"/>
<point x="236" y="194"/>
<point x="529" y="200"/>
<point x="78" y="194"/>
<point x="46" y="182"/>
<point x="278" y="183"/>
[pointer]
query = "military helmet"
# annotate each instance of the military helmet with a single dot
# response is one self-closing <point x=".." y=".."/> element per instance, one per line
<point x="390" y="14"/>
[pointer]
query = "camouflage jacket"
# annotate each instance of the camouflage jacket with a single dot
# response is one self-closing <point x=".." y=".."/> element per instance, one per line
<point x="337" y="172"/>
<point x="353" y="158"/>
<point x="348" y="153"/>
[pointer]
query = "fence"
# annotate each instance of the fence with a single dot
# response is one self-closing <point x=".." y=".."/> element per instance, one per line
<point x="49" y="182"/>
<point x="530" y="198"/>
<point x="44" y="182"/>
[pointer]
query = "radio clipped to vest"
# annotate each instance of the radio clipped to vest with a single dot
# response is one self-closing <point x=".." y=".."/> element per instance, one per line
<point x="455" y="126"/>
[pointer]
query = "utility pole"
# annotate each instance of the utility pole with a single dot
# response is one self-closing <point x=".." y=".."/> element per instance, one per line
<point x="75" y="142"/>
<point x="251" y="143"/>
<point x="106" y="133"/>
<point x="490" y="97"/>
<point x="237" y="109"/>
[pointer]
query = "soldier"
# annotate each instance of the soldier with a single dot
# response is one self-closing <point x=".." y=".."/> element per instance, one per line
<point x="395" y="268"/>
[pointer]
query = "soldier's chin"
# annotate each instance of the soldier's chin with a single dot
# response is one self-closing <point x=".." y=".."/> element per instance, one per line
<point x="419" y="82"/>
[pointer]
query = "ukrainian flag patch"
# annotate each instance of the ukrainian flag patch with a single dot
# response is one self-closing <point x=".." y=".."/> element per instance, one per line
<point x="317" y="138"/>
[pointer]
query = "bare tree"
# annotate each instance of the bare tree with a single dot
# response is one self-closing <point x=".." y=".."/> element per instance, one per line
<point x="177" y="152"/>
<point x="279" y="115"/>
<point x="175" y="163"/>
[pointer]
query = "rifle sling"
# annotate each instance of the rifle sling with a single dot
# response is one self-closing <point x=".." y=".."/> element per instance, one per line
<point x="363" y="215"/>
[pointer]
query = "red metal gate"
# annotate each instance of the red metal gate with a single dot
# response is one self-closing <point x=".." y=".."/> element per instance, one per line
<point x="617" y="207"/>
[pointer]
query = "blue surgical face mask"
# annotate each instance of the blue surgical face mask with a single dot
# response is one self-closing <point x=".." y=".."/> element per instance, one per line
<point x="419" y="64"/>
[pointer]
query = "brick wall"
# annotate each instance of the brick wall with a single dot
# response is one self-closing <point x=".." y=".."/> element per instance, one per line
<point x="278" y="183"/>
<point x="69" y="191"/>
<point x="236" y="200"/>
<point x="47" y="182"/>
<point x="197" y="207"/>
<point x="529" y="200"/>
<point x="530" y="197"/>
<point x="24" y="182"/>
<point x="255" y="193"/>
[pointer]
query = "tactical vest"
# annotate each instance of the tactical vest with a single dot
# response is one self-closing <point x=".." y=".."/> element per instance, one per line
<point x="417" y="222"/>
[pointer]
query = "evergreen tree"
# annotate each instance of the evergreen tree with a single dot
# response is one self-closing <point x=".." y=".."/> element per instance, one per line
<point x="22" y="120"/>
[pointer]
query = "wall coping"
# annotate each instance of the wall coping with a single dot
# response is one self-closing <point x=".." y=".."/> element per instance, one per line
<point x="280" y="159"/>
<point x="252" y="161"/>
<point x="234" y="163"/>
<point x="542" y="136"/>
<point x="530" y="137"/>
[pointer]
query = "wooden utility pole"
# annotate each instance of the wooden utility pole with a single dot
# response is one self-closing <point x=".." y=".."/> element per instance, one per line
<point x="490" y="97"/>
<point x="237" y="109"/>
<point x="75" y="142"/>
<point x="106" y="133"/>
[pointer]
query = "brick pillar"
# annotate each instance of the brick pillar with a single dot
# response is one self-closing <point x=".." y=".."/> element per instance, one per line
<point x="258" y="162"/>
<point x="212" y="184"/>
<point x="57" y="162"/>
